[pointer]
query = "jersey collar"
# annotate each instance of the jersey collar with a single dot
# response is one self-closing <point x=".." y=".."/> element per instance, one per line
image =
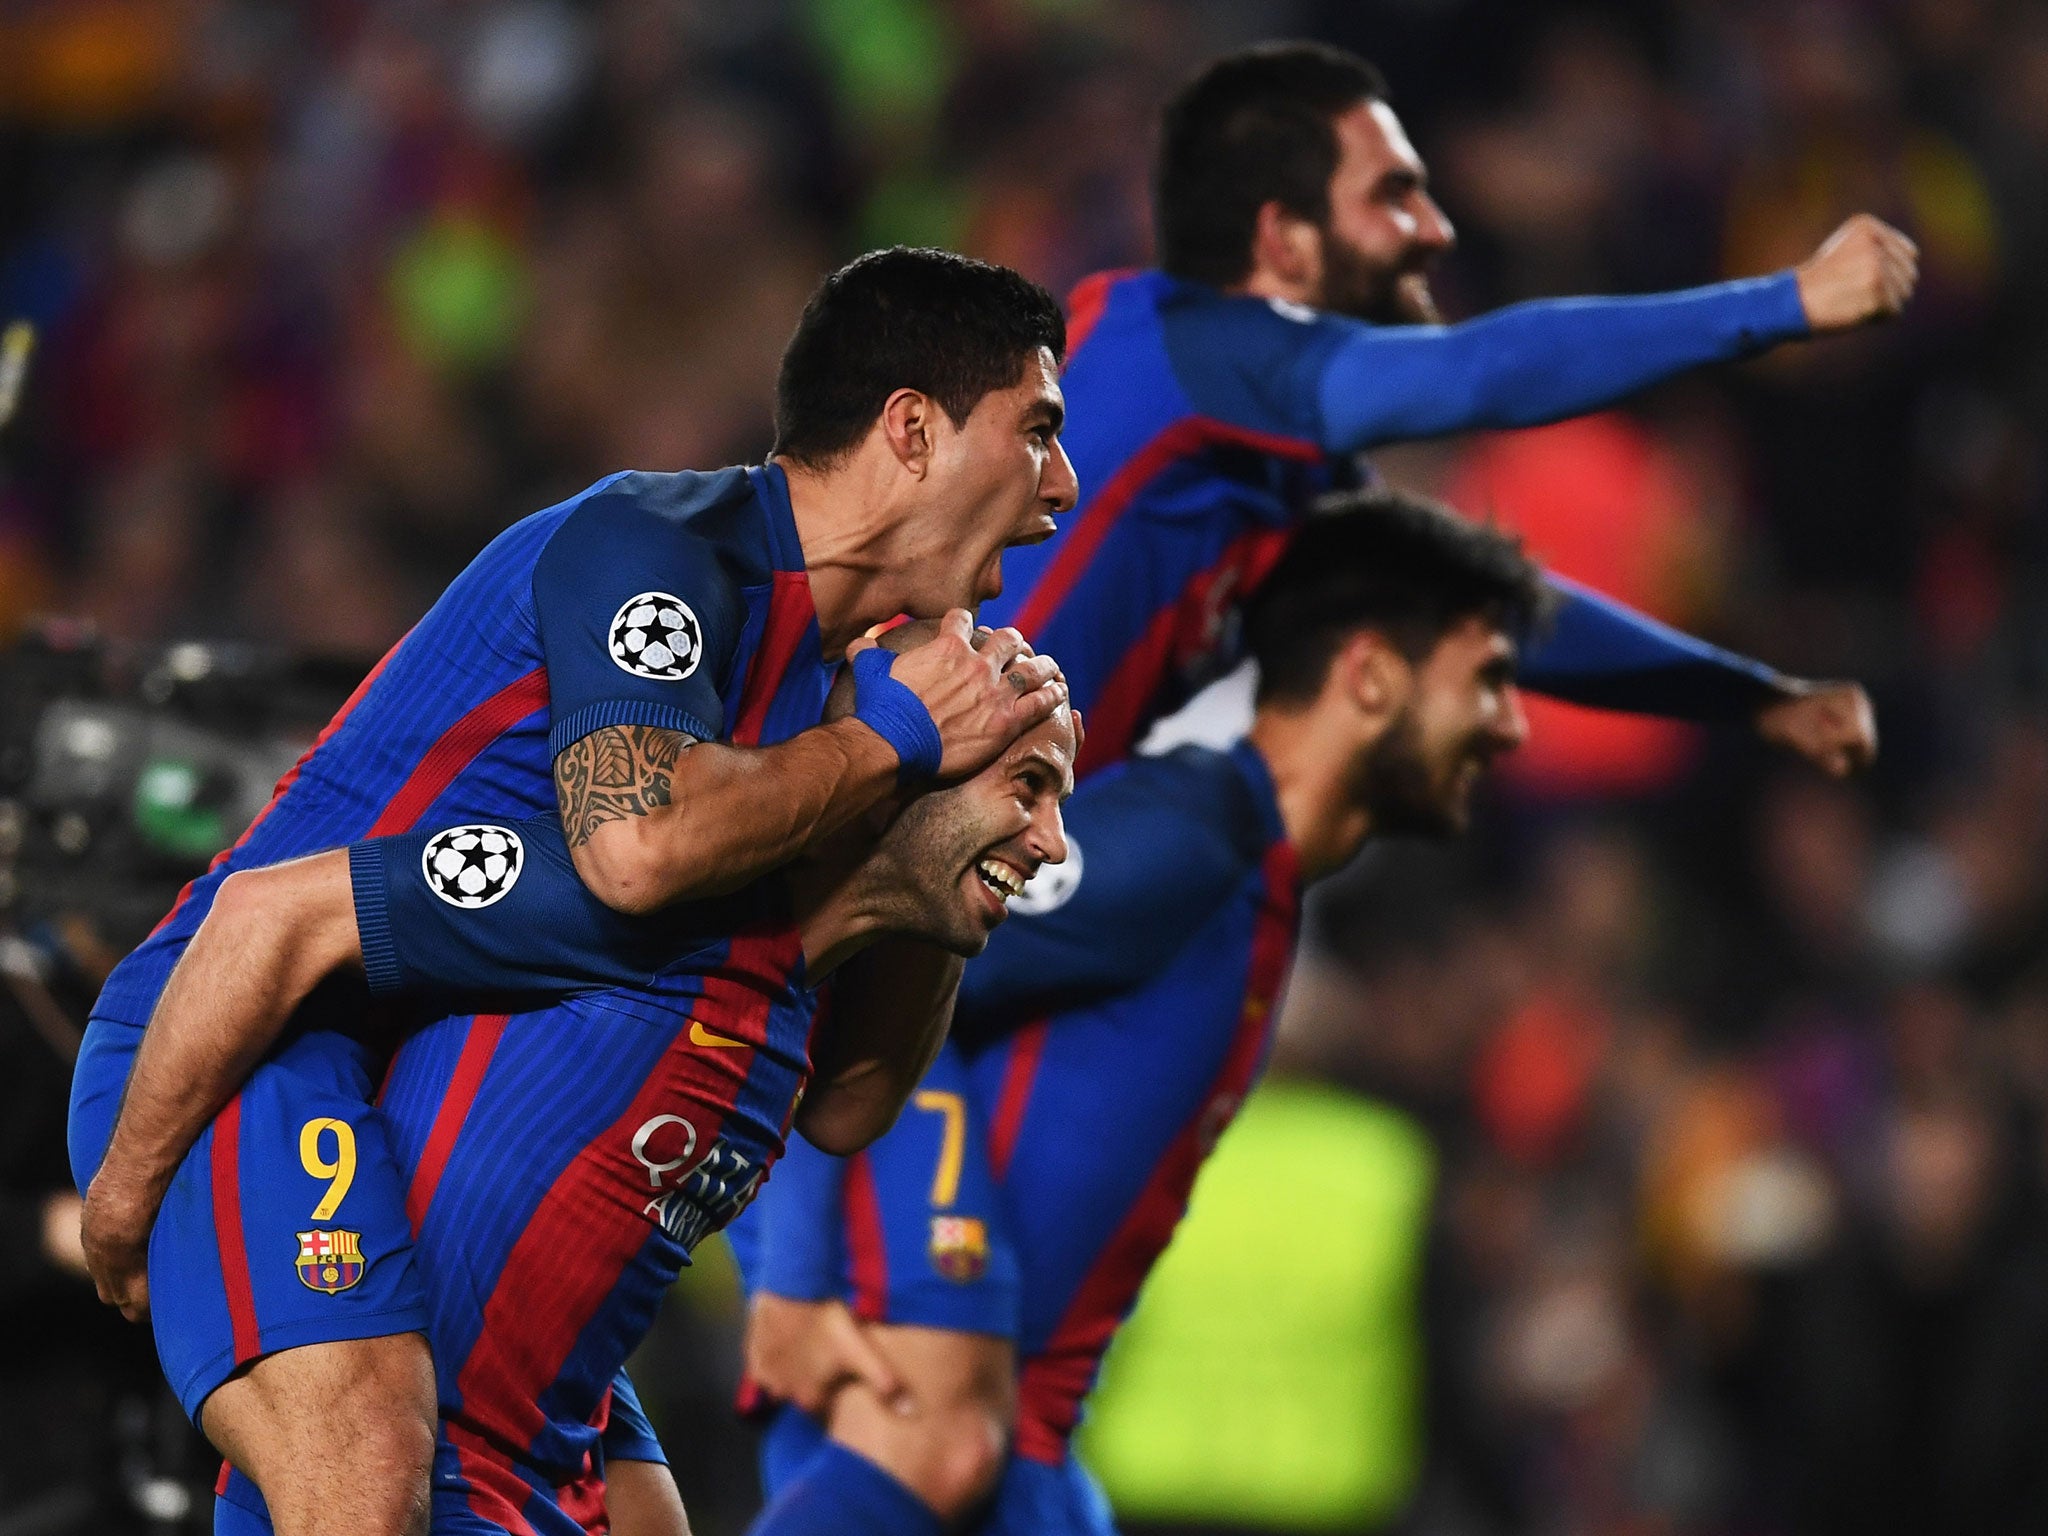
<point x="771" y="485"/>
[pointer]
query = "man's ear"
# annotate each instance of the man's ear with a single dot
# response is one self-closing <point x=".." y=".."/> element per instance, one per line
<point x="907" y="428"/>
<point x="1288" y="247"/>
<point x="1374" y="673"/>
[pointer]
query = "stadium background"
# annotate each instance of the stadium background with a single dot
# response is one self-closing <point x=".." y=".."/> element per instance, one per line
<point x="1678" y="1153"/>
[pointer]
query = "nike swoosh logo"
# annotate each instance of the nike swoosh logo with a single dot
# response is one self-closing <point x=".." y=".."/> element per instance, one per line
<point x="699" y="1035"/>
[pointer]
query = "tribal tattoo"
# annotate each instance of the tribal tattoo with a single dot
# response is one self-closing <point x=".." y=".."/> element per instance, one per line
<point x="613" y="773"/>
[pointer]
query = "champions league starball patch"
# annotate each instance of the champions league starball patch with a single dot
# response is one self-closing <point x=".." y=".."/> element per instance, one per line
<point x="330" y="1261"/>
<point x="655" y="635"/>
<point x="959" y="1247"/>
<point x="1052" y="887"/>
<point x="472" y="867"/>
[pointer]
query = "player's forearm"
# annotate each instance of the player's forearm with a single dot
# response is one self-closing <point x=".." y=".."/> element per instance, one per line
<point x="270" y="938"/>
<point x="1605" y="654"/>
<point x="721" y="817"/>
<point x="1545" y="360"/>
<point x="891" y="1006"/>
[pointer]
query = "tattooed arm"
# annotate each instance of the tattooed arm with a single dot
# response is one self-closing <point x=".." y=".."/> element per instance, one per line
<point x="652" y="816"/>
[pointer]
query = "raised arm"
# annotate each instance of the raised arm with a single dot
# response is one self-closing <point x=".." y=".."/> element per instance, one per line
<point x="1602" y="653"/>
<point x="1549" y="359"/>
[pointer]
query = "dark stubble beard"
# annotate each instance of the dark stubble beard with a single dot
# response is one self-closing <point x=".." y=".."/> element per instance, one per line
<point x="1399" y="792"/>
<point x="1355" y="285"/>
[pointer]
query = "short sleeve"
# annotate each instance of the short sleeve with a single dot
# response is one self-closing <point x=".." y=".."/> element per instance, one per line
<point x="639" y="621"/>
<point x="628" y="1432"/>
<point x="496" y="910"/>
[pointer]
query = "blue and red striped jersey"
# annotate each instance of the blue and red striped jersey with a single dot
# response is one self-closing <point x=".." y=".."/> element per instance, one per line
<point x="1203" y="424"/>
<point x="1101" y="1109"/>
<point x="670" y="600"/>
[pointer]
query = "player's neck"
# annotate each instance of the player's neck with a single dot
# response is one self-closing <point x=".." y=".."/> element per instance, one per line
<point x="1265" y="284"/>
<point x="1313" y="767"/>
<point x="848" y="530"/>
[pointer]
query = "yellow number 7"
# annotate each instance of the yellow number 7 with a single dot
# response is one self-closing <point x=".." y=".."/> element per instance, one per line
<point x="952" y="1139"/>
<point x="342" y="1170"/>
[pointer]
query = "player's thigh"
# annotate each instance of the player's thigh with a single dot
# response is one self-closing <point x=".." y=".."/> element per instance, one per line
<point x="927" y="1242"/>
<point x="371" y="1455"/>
<point x="285" y="1227"/>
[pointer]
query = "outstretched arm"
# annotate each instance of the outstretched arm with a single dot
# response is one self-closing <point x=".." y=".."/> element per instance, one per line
<point x="1549" y="359"/>
<point x="1602" y="653"/>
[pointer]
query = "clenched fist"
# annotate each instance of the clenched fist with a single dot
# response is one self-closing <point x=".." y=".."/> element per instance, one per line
<point x="1864" y="271"/>
<point x="1831" y="725"/>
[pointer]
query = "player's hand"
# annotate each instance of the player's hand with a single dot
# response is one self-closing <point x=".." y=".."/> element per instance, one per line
<point x="807" y="1352"/>
<point x="1831" y="725"/>
<point x="1864" y="271"/>
<point x="983" y="689"/>
<point x="114" y="1231"/>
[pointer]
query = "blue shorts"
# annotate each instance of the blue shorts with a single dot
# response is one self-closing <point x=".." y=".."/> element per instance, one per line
<point x="925" y="1241"/>
<point x="1035" y="1498"/>
<point x="285" y="1225"/>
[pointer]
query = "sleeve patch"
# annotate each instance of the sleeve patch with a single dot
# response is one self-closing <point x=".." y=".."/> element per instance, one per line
<point x="472" y="867"/>
<point x="656" y="635"/>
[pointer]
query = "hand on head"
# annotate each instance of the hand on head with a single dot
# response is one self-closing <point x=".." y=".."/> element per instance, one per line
<point x="983" y="688"/>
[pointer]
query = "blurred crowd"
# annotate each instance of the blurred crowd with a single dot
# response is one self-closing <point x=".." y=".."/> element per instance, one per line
<point x="1738" y="1080"/>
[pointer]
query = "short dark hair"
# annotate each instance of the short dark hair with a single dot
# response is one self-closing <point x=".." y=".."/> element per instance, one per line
<point x="948" y="325"/>
<point x="1383" y="559"/>
<point x="1251" y="129"/>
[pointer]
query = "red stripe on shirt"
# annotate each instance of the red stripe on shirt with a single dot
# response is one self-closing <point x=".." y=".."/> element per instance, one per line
<point x="1181" y="633"/>
<point x="599" y="1213"/>
<point x="1183" y="439"/>
<point x="1085" y="304"/>
<point x="867" y="1253"/>
<point x="790" y="612"/>
<point x="459" y="746"/>
<point x="228" y="1234"/>
<point x="495" y="1491"/>
<point x="1020" y="1071"/>
<point x="478" y="1044"/>
<point x="1054" y="1380"/>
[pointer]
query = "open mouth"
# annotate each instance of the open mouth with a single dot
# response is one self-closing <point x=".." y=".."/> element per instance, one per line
<point x="999" y="881"/>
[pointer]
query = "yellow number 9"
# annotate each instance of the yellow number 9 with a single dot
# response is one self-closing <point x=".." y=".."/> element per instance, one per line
<point x="342" y="1170"/>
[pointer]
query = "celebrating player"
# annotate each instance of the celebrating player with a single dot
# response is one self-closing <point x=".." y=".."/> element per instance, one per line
<point x="652" y="657"/>
<point x="1289" y="326"/>
<point x="1104" y="1072"/>
<point x="552" y="1206"/>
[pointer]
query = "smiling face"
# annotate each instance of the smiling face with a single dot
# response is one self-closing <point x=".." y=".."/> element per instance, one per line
<point x="1384" y="231"/>
<point x="954" y="857"/>
<point x="1463" y="711"/>
<point x="995" y="481"/>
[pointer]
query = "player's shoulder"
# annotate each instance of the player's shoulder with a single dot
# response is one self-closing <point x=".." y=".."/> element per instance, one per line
<point x="722" y="507"/>
<point x="1205" y="813"/>
<point x="1254" y="362"/>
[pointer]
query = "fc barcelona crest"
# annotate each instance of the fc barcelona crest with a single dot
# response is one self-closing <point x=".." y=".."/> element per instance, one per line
<point x="960" y="1247"/>
<point x="330" y="1261"/>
